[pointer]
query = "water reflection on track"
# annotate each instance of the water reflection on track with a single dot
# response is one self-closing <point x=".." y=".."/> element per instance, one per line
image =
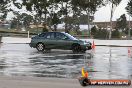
<point x="20" y="59"/>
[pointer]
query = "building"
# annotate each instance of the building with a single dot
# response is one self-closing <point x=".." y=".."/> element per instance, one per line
<point x="105" y="25"/>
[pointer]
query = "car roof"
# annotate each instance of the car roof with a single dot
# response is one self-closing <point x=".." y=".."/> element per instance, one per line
<point x="55" y="32"/>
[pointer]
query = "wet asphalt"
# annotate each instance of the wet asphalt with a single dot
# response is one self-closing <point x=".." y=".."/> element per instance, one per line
<point x="102" y="63"/>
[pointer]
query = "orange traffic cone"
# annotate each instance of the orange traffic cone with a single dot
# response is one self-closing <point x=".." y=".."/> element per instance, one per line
<point x="129" y="50"/>
<point x="84" y="74"/>
<point x="93" y="45"/>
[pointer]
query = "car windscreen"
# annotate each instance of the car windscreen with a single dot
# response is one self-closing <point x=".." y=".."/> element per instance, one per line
<point x="42" y="35"/>
<point x="71" y="37"/>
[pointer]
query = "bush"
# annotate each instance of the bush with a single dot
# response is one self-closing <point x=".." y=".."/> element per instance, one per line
<point x="101" y="33"/>
<point x="116" y="34"/>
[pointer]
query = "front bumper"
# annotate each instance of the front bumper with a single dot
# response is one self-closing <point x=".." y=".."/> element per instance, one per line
<point x="86" y="47"/>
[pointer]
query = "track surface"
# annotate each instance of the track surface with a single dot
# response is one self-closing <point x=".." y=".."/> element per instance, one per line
<point x="102" y="63"/>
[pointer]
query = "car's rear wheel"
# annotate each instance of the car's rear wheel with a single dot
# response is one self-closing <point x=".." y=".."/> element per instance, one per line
<point x="40" y="47"/>
<point x="76" y="48"/>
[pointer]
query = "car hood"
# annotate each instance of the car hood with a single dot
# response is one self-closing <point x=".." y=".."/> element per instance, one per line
<point x="78" y="40"/>
<point x="86" y="42"/>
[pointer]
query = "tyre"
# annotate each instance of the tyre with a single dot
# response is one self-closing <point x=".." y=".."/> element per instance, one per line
<point x="83" y="51"/>
<point x="76" y="48"/>
<point x="40" y="47"/>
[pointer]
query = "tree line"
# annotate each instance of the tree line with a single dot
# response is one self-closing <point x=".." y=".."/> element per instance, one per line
<point x="51" y="12"/>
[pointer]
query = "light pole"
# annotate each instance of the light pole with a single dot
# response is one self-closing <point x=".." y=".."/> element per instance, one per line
<point x="129" y="31"/>
<point x="112" y="11"/>
<point x="88" y="16"/>
<point x="129" y="34"/>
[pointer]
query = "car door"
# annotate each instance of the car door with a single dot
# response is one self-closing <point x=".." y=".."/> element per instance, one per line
<point x="49" y="40"/>
<point x="62" y="41"/>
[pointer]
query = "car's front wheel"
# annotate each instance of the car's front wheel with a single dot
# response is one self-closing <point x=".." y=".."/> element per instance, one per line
<point x="83" y="51"/>
<point x="76" y="48"/>
<point x="40" y="47"/>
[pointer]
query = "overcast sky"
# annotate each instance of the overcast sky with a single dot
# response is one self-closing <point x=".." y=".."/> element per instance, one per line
<point x="103" y="14"/>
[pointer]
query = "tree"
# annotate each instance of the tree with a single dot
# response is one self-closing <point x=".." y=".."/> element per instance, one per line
<point x="26" y="20"/>
<point x="45" y="8"/>
<point x="115" y="34"/>
<point x="94" y="31"/>
<point x="89" y="6"/>
<point x="39" y="6"/>
<point x="121" y="23"/>
<point x="64" y="11"/>
<point x="129" y="8"/>
<point x="21" y="20"/>
<point x="61" y="9"/>
<point x="4" y="8"/>
<point x="76" y="10"/>
<point x="114" y="4"/>
<point x="55" y="21"/>
<point x="129" y="11"/>
<point x="16" y="23"/>
<point x="54" y="16"/>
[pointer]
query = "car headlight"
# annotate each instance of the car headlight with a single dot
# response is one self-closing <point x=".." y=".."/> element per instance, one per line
<point x="87" y="43"/>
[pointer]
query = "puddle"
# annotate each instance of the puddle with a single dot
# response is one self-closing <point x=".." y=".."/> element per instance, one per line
<point x="21" y="60"/>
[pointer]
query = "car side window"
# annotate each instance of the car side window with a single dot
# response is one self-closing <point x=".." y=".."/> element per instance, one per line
<point x="52" y="35"/>
<point x="57" y="36"/>
<point x="60" y="36"/>
<point x="49" y="36"/>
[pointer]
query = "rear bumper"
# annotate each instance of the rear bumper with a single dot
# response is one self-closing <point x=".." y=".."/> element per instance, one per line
<point x="32" y="45"/>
